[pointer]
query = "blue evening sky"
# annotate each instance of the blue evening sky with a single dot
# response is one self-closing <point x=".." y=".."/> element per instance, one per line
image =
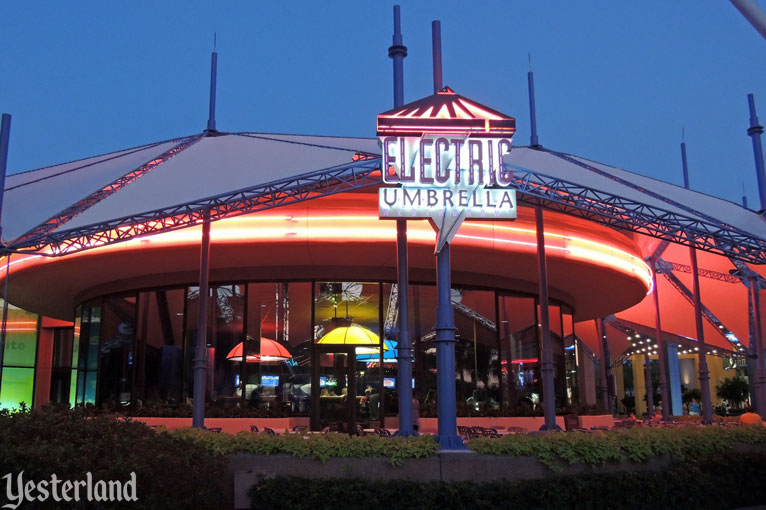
<point x="616" y="81"/>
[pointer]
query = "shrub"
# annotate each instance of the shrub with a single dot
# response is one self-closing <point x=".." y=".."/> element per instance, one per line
<point x="638" y="444"/>
<point x="733" y="390"/>
<point x="318" y="446"/>
<point x="171" y="472"/>
<point x="715" y="482"/>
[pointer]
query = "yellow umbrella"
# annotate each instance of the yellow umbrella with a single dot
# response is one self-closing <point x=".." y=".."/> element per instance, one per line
<point x="354" y="336"/>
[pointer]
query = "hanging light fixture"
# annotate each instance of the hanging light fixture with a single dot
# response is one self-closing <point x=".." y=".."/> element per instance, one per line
<point x="270" y="351"/>
<point x="365" y="341"/>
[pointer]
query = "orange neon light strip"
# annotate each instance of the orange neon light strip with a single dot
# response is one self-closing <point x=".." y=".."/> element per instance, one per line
<point x="303" y="227"/>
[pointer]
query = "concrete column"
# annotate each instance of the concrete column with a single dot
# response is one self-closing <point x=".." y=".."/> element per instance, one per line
<point x="674" y="380"/>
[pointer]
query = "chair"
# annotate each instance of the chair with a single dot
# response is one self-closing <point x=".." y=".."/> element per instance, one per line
<point x="299" y="428"/>
<point x="382" y="432"/>
<point x="269" y="432"/>
<point x="254" y="428"/>
<point x="488" y="432"/>
<point x="465" y="432"/>
<point x="326" y="430"/>
<point x="571" y="422"/>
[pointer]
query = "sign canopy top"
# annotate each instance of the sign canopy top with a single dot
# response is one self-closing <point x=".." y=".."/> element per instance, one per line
<point x="445" y="112"/>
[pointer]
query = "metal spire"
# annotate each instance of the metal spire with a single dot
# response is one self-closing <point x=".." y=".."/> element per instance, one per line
<point x="213" y="79"/>
<point x="533" y="141"/>
<point x="754" y="131"/>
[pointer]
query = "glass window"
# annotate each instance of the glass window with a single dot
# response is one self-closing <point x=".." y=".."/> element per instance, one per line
<point x="76" y="338"/>
<point x="347" y="331"/>
<point x="61" y="365"/>
<point x="86" y="349"/>
<point x="118" y="333"/>
<point x="276" y="375"/>
<point x="21" y="338"/>
<point x="570" y="357"/>
<point x="226" y="332"/>
<point x="476" y="352"/>
<point x="17" y="387"/>
<point x="520" y="353"/>
<point x="422" y="321"/>
<point x="159" y="347"/>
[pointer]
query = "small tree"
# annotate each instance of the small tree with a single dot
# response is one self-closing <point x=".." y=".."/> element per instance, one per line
<point x="691" y="394"/>
<point x="735" y="391"/>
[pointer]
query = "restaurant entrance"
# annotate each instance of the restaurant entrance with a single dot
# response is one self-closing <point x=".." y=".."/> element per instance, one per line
<point x="334" y="376"/>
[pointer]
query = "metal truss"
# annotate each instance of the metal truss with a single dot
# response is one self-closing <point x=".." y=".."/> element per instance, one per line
<point x="538" y="189"/>
<point x="78" y="207"/>
<point x="688" y="344"/>
<point x="659" y="251"/>
<point x="474" y="315"/>
<point x="392" y="314"/>
<point x="325" y="182"/>
<point x="708" y="315"/>
<point x="705" y="273"/>
<point x="535" y="189"/>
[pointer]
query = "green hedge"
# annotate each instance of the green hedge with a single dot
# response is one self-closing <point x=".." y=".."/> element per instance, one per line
<point x="638" y="444"/>
<point x="170" y="471"/>
<point x="722" y="481"/>
<point x="553" y="450"/>
<point x="318" y="446"/>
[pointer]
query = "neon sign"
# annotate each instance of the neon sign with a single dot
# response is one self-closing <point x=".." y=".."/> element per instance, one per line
<point x="445" y="154"/>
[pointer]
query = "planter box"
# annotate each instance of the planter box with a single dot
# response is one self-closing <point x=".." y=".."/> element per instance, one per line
<point x="245" y="469"/>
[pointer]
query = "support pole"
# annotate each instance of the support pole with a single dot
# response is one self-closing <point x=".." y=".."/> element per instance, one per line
<point x="704" y="373"/>
<point x="754" y="131"/>
<point x="549" y="390"/>
<point x="532" y="114"/>
<point x="200" y="350"/>
<point x="662" y="354"/>
<point x="445" y="317"/>
<point x="648" y="384"/>
<point x="445" y="355"/>
<point x="5" y="136"/>
<point x="607" y="364"/>
<point x="752" y="13"/>
<point x="213" y="83"/>
<point x="436" y="40"/>
<point x="604" y="382"/>
<point x="397" y="52"/>
<point x="760" y="369"/>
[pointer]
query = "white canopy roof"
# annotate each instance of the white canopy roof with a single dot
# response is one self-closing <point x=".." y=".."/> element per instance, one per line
<point x="209" y="166"/>
<point x="638" y="188"/>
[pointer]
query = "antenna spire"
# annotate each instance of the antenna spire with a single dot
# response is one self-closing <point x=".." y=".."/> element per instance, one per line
<point x="533" y="141"/>
<point x="436" y="40"/>
<point x="397" y="52"/>
<point x="213" y="79"/>
<point x="744" y="196"/>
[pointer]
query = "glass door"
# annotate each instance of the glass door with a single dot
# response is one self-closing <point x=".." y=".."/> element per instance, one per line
<point x="337" y="388"/>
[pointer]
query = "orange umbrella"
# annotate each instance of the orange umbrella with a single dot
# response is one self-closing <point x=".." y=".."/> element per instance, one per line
<point x="270" y="351"/>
